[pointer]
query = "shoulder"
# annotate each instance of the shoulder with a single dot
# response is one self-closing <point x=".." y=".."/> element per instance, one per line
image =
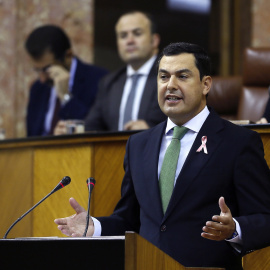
<point x="90" y="68"/>
<point x="148" y="133"/>
<point x="231" y="132"/>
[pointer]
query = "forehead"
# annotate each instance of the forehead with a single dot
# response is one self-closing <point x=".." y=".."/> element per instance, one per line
<point x="178" y="62"/>
<point x="132" y="21"/>
<point x="46" y="58"/>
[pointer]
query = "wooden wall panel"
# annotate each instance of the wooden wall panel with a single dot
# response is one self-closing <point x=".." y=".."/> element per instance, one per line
<point x="51" y="165"/>
<point x="16" y="191"/>
<point x="257" y="260"/>
<point x="108" y="172"/>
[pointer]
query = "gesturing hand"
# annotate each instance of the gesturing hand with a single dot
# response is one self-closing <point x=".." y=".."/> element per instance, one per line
<point x="222" y="227"/>
<point x="75" y="225"/>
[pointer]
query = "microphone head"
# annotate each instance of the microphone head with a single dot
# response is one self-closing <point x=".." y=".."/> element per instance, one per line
<point x="65" y="181"/>
<point x="90" y="183"/>
<point x="90" y="180"/>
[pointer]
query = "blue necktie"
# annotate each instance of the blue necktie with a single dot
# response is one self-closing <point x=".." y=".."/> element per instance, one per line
<point x="130" y="100"/>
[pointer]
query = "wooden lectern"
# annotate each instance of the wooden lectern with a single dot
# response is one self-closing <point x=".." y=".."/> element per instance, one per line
<point x="142" y="255"/>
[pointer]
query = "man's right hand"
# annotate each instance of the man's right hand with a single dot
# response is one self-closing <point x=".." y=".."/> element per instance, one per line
<point x="60" y="128"/>
<point x="262" y="121"/>
<point x="74" y="225"/>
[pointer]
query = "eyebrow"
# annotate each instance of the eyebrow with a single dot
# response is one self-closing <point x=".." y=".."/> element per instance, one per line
<point x="130" y="30"/>
<point x="184" y="70"/>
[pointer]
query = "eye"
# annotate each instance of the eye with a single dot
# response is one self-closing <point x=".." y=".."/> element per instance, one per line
<point x="183" y="76"/>
<point x="122" y="35"/>
<point x="163" y="76"/>
<point x="137" y="32"/>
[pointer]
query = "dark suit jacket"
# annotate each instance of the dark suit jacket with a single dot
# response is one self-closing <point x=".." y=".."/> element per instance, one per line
<point x="104" y="115"/>
<point x="234" y="168"/>
<point x="83" y="94"/>
<point x="266" y="113"/>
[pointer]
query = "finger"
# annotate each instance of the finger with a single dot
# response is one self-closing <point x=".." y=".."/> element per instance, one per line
<point x="211" y="230"/>
<point x="60" y="221"/>
<point x="215" y="225"/>
<point x="211" y="237"/>
<point x="75" y="205"/>
<point x="64" y="230"/>
<point x="223" y="206"/>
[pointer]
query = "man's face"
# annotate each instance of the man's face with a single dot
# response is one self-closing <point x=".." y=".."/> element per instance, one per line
<point x="135" y="42"/>
<point x="181" y="93"/>
<point x="42" y="65"/>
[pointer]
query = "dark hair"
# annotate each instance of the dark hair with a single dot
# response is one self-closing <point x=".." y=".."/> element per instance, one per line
<point x="48" y="38"/>
<point x="153" y="24"/>
<point x="202" y="59"/>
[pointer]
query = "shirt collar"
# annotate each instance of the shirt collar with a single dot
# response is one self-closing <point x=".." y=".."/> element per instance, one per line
<point x="72" y="72"/>
<point x="144" y="69"/>
<point x="193" y="124"/>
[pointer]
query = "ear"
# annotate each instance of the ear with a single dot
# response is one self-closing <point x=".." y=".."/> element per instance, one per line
<point x="155" y="40"/>
<point x="206" y="82"/>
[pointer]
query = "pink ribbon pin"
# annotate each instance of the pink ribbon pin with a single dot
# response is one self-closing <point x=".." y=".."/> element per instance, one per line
<point x="203" y="146"/>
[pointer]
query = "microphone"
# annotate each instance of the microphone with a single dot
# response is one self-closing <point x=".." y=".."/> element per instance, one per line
<point x="64" y="182"/>
<point x="90" y="184"/>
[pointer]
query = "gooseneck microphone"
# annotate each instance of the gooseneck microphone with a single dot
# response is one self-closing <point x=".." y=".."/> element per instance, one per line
<point x="64" y="182"/>
<point x="90" y="184"/>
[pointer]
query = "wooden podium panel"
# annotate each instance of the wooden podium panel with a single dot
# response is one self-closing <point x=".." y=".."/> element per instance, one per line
<point x="16" y="190"/>
<point x="31" y="168"/>
<point x="142" y="255"/>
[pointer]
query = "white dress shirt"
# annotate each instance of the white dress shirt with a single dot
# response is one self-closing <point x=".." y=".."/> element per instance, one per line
<point x="144" y="70"/>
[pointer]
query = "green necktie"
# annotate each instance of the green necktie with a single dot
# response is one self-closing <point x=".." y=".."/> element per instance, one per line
<point x="169" y="165"/>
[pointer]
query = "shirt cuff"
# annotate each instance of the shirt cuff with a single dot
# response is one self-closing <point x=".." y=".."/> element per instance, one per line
<point x="236" y="242"/>
<point x="97" y="227"/>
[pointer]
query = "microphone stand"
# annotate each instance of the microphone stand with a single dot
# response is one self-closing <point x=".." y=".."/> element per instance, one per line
<point x="14" y="223"/>
<point x="65" y="181"/>
<point x="90" y="183"/>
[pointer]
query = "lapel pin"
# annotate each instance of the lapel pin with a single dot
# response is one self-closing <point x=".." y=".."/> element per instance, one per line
<point x="203" y="146"/>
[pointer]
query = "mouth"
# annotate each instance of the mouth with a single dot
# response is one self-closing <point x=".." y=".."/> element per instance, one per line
<point x="131" y="49"/>
<point x="173" y="98"/>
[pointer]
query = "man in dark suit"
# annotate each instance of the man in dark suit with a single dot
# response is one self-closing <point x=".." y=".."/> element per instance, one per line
<point x="218" y="161"/>
<point x="137" y="42"/>
<point x="66" y="88"/>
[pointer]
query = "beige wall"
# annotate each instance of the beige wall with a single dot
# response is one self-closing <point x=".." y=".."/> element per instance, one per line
<point x="18" y="19"/>
<point x="260" y="34"/>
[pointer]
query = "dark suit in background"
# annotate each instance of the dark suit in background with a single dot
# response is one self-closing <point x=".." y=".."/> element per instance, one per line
<point x="234" y="168"/>
<point x="104" y="115"/>
<point x="266" y="113"/>
<point x="83" y="92"/>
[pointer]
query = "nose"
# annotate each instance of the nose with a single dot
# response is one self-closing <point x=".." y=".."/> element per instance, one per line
<point x="172" y="83"/>
<point x="130" y="38"/>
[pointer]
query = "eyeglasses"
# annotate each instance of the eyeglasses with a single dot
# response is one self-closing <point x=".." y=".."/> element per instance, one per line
<point x="42" y="69"/>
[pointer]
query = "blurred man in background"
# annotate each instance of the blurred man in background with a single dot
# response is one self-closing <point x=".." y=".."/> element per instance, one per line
<point x="66" y="87"/>
<point x="127" y="98"/>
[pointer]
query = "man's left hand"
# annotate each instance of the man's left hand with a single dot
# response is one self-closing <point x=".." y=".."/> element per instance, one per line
<point x="135" y="125"/>
<point x="222" y="227"/>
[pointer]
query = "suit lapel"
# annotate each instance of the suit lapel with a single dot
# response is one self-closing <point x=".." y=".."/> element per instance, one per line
<point x="150" y="165"/>
<point x="148" y="91"/>
<point x="196" y="161"/>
